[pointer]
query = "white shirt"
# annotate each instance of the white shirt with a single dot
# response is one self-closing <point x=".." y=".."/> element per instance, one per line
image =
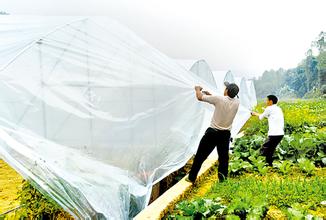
<point x="225" y="110"/>
<point x="275" y="120"/>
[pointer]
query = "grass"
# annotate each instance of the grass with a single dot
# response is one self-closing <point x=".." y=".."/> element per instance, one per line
<point x="274" y="188"/>
<point x="10" y="183"/>
<point x="280" y="193"/>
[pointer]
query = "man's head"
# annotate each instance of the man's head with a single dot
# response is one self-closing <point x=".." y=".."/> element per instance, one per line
<point x="231" y="89"/>
<point x="271" y="100"/>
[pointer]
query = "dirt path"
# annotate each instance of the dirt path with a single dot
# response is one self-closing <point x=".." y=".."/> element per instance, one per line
<point x="10" y="182"/>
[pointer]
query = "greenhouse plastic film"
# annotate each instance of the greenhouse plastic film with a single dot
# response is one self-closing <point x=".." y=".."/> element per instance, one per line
<point x="93" y="115"/>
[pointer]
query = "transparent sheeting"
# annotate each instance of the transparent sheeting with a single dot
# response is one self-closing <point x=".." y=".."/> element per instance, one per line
<point x="202" y="69"/>
<point x="247" y="94"/>
<point x="247" y="100"/>
<point x="252" y="93"/>
<point x="92" y="114"/>
<point x="244" y="95"/>
<point x="229" y="77"/>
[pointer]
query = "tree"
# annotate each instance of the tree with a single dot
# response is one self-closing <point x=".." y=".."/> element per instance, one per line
<point x="311" y="71"/>
<point x="269" y="83"/>
<point x="309" y="77"/>
<point x="296" y="79"/>
<point x="320" y="44"/>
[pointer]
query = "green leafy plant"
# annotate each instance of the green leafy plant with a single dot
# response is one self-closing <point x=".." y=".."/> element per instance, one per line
<point x="199" y="208"/>
<point x="237" y="166"/>
<point x="36" y="206"/>
<point x="239" y="207"/>
<point x="247" y="146"/>
<point x="306" y="166"/>
<point x="248" y="208"/>
<point x="259" y="164"/>
<point x="284" y="167"/>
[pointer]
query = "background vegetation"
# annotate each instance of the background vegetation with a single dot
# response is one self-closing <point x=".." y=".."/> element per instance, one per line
<point x="307" y="80"/>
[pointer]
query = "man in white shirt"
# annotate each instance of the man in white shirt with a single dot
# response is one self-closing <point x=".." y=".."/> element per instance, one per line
<point x="275" y="118"/>
<point x="218" y="134"/>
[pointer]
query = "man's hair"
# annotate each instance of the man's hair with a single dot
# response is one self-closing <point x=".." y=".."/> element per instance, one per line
<point x="232" y="88"/>
<point x="273" y="98"/>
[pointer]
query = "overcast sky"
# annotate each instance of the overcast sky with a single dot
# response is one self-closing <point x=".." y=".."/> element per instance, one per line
<point x="245" y="36"/>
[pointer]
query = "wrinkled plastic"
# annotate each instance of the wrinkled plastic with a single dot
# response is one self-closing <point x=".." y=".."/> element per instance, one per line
<point x="92" y="114"/>
<point x="252" y="93"/>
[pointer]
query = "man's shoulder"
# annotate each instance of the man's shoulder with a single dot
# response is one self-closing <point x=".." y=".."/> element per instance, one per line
<point x="217" y="97"/>
<point x="276" y="107"/>
<point x="280" y="109"/>
<point x="236" y="102"/>
<point x="223" y="99"/>
<point x="212" y="99"/>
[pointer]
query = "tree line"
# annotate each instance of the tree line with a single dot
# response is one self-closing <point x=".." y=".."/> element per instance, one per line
<point x="307" y="80"/>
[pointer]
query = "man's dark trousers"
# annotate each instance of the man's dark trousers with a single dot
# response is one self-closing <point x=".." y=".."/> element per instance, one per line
<point x="269" y="147"/>
<point x="211" y="139"/>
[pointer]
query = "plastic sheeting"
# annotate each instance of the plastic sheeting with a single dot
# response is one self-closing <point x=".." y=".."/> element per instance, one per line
<point x="244" y="95"/>
<point x="252" y="93"/>
<point x="92" y="114"/>
<point x="229" y="77"/>
<point x="243" y="113"/>
<point x="202" y="69"/>
<point x="217" y="78"/>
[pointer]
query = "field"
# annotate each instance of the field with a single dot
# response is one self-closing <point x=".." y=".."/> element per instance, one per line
<point x="294" y="188"/>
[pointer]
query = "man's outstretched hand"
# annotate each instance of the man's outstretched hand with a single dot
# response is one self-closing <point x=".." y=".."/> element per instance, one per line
<point x="254" y="114"/>
<point x="199" y="94"/>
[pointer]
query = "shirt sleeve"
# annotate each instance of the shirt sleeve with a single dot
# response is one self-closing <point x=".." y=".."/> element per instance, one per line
<point x="265" y="114"/>
<point x="211" y="99"/>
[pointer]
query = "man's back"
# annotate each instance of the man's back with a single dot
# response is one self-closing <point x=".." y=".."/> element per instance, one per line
<point x="225" y="110"/>
<point x="275" y="120"/>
